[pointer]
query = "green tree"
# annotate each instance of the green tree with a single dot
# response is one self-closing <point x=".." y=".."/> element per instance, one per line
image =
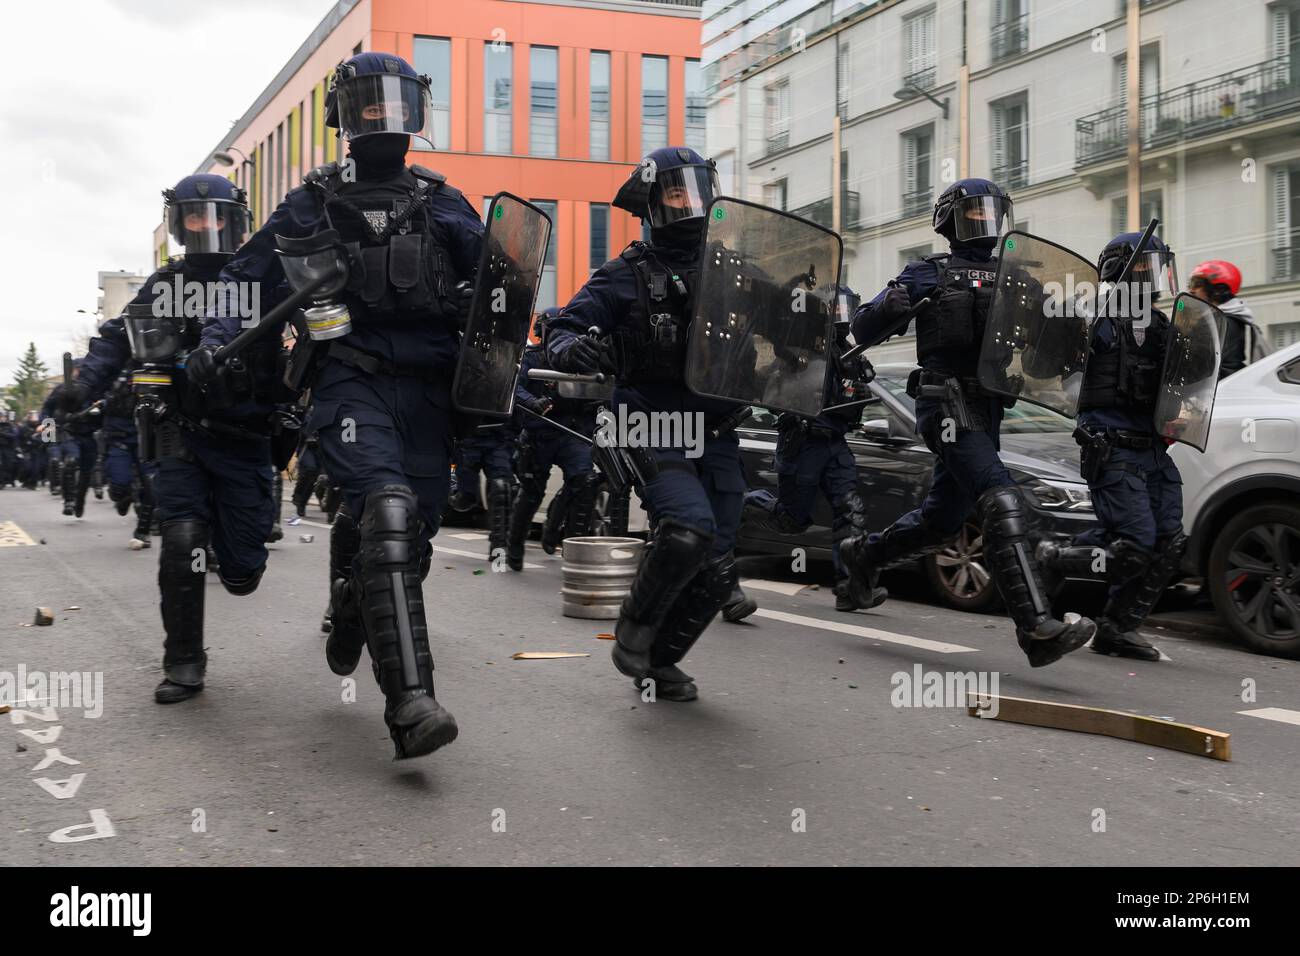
<point x="29" y="388"/>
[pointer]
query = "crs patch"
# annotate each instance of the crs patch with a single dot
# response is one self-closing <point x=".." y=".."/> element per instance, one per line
<point x="378" y="219"/>
<point x="981" y="277"/>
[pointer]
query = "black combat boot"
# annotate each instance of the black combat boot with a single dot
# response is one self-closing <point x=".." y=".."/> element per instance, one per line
<point x="143" y="519"/>
<point x="521" y="520"/>
<point x="739" y="605"/>
<point x="1042" y="637"/>
<point x="670" y="562"/>
<point x="342" y="619"/>
<point x="697" y="605"/>
<point x="861" y="587"/>
<point x="278" y="494"/>
<point x="182" y="587"/>
<point x="388" y="568"/>
<point x="498" y="501"/>
<point x="1138" y="577"/>
<point x="556" y="514"/>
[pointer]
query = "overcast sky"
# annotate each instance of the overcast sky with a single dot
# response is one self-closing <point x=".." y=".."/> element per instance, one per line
<point x="103" y="104"/>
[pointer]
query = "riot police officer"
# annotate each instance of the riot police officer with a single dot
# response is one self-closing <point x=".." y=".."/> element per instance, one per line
<point x="308" y="471"/>
<point x="1136" y="489"/>
<point x="545" y="443"/>
<point x="75" y="427"/>
<point x="959" y="422"/>
<point x="488" y="450"/>
<point x="381" y="388"/>
<point x="33" y="450"/>
<point x="211" y="438"/>
<point x="641" y="303"/>
<point x="812" y="455"/>
<point x="8" y="450"/>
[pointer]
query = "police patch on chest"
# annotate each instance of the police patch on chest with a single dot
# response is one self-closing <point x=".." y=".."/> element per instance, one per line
<point x="378" y="219"/>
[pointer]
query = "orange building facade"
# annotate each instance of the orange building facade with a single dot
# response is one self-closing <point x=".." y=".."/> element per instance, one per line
<point x="554" y="102"/>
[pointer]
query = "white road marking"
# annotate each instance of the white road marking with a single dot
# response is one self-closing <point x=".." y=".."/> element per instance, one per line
<point x="1280" y="714"/>
<point x="940" y="647"/>
<point x="780" y="587"/>
<point x="12" y="536"/>
<point x="468" y="536"/>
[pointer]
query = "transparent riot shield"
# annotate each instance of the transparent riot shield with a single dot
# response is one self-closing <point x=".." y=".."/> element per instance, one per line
<point x="1035" y="343"/>
<point x="764" y="300"/>
<point x="496" y="331"/>
<point x="1191" y="372"/>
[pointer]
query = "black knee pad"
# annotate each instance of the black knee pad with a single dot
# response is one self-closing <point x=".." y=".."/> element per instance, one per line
<point x="718" y="578"/>
<point x="1002" y="511"/>
<point x="1172" y="546"/>
<point x="241" y="586"/>
<point x="390" y="527"/>
<point x="1128" y="560"/>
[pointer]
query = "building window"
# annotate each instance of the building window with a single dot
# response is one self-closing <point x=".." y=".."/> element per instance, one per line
<point x="1010" y="34"/>
<point x="919" y="55"/>
<point x="433" y="59"/>
<point x="776" y="113"/>
<point x="1284" y="216"/>
<point x="543" y="78"/>
<point x="913" y="254"/>
<point x="843" y="77"/>
<point x="1010" y="119"/>
<point x="599" y="105"/>
<point x="599" y="235"/>
<point x="546" y="292"/>
<point x="654" y="103"/>
<point x="918" y="160"/>
<point x="727" y="173"/>
<point x="497" y="96"/>
<point x="1152" y="208"/>
<point x="775" y="194"/>
<point x="696" y="107"/>
<point x="1288" y="333"/>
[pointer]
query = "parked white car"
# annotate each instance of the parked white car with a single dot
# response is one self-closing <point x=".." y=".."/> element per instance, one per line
<point x="1241" y="504"/>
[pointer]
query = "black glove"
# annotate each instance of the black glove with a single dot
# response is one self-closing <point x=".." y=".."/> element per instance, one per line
<point x="896" y="302"/>
<point x="201" y="366"/>
<point x="541" y="405"/>
<point x="458" y="303"/>
<point x="587" y="355"/>
<point x="866" y="371"/>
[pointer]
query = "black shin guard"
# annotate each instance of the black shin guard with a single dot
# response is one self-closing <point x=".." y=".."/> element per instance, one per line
<point x="670" y="563"/>
<point x="181" y="580"/>
<point x="346" y="635"/>
<point x="388" y="567"/>
<point x="1142" y="577"/>
<point x="695" y="608"/>
<point x="582" y="502"/>
<point x="521" y="520"/>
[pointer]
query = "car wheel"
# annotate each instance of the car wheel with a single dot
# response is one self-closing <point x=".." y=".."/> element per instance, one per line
<point x="1254" y="576"/>
<point x="958" y="574"/>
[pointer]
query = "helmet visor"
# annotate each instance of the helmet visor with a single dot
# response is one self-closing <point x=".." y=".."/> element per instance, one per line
<point x="386" y="103"/>
<point x="683" y="192"/>
<point x="980" y="217"/>
<point x="153" y="338"/>
<point x="846" y="304"/>
<point x="207" y="225"/>
<point x="1156" y="270"/>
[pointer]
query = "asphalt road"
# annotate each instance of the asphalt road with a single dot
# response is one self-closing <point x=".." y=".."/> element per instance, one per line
<point x="794" y="754"/>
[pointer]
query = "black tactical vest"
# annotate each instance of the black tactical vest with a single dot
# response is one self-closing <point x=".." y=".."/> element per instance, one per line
<point x="651" y="348"/>
<point x="399" y="267"/>
<point x="951" y="328"/>
<point x="1127" y="375"/>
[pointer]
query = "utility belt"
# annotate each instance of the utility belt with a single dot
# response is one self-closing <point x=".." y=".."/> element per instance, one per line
<point x="1096" y="445"/>
<point x="795" y="431"/>
<point x="374" y="364"/>
<point x="951" y="391"/>
<point x="167" y="443"/>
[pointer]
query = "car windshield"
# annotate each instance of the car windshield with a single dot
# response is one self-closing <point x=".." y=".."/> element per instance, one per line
<point x="1019" y="420"/>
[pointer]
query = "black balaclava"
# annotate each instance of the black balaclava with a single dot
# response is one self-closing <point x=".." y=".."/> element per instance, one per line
<point x="684" y="235"/>
<point x="379" y="155"/>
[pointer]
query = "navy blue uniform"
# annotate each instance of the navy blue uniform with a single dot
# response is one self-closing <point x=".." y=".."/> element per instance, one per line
<point x="545" y="445"/>
<point x="705" y="493"/>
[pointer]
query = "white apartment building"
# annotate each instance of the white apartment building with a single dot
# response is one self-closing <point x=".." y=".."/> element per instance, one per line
<point x="1044" y="84"/>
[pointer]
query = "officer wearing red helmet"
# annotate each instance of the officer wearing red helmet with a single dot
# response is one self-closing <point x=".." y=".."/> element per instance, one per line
<point x="1218" y="282"/>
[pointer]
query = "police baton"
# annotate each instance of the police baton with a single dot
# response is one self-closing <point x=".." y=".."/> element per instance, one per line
<point x="563" y="428"/>
<point x="271" y="320"/>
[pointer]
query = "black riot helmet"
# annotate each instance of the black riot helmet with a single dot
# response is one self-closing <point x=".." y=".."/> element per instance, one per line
<point x="379" y="93"/>
<point x="206" y="214"/>
<point x="1153" y="271"/>
<point x="671" y="185"/>
<point x="972" y="211"/>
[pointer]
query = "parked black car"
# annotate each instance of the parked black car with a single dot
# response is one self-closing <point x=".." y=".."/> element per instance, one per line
<point x="894" y="473"/>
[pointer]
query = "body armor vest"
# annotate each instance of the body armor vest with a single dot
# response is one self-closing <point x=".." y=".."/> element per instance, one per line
<point x="120" y="400"/>
<point x="652" y="347"/>
<point x="1128" y="374"/>
<point x="399" y="269"/>
<point x="951" y="328"/>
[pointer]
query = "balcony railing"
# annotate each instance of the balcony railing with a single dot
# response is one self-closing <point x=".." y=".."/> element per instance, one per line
<point x="922" y="79"/>
<point x="1012" y="175"/>
<point x="1286" y="261"/>
<point x="1243" y="96"/>
<point x="777" y="141"/>
<point x="820" y="211"/>
<point x="1010" y="38"/>
<point x="917" y="201"/>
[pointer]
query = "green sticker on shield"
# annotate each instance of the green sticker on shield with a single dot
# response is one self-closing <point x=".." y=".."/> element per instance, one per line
<point x="719" y="213"/>
<point x="498" y="211"/>
<point x="1181" y="306"/>
<point x="1011" y="244"/>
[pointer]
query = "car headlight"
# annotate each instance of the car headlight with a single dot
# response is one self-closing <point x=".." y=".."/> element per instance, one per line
<point x="1051" y="495"/>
